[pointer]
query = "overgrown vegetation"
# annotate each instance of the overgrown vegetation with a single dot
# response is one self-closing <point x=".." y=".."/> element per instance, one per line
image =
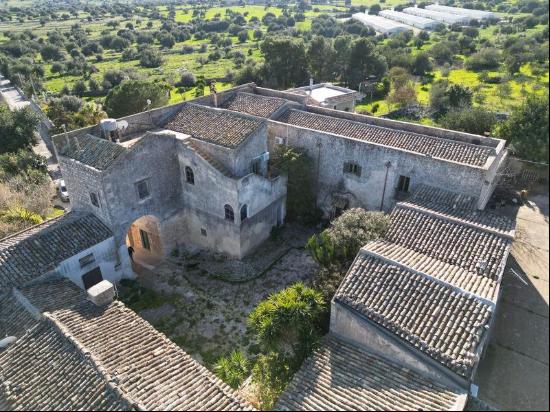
<point x="339" y="243"/>
<point x="287" y="326"/>
<point x="301" y="187"/>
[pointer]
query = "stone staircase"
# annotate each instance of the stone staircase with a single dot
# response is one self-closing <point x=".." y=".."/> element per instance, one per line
<point x="216" y="164"/>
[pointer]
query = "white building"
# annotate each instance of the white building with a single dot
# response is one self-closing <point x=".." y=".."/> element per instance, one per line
<point x="446" y="18"/>
<point x="380" y="24"/>
<point x="415" y="21"/>
<point x="474" y="14"/>
<point x="329" y="96"/>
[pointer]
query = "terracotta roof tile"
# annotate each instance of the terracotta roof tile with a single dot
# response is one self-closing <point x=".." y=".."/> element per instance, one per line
<point x="434" y="317"/>
<point x="44" y="371"/>
<point x="91" y="150"/>
<point x="253" y="104"/>
<point x="29" y="254"/>
<point x="340" y="376"/>
<point x="216" y="126"/>
<point x="444" y="149"/>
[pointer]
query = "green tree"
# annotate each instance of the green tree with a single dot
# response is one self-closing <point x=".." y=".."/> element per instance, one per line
<point x="289" y="321"/>
<point x="321" y="57"/>
<point x="132" y="96"/>
<point x="299" y="167"/>
<point x="17" y="129"/>
<point x="285" y="61"/>
<point x="470" y="120"/>
<point x="364" y="61"/>
<point x="526" y="130"/>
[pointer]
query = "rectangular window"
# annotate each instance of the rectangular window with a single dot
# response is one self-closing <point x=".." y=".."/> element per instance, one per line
<point x="352" y="168"/>
<point x="142" y="188"/>
<point x="403" y="184"/>
<point x="144" y="239"/>
<point x="86" y="260"/>
<point x="94" y="199"/>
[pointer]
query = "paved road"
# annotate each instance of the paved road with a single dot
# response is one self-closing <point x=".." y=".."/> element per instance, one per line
<point x="514" y="373"/>
<point x="17" y="100"/>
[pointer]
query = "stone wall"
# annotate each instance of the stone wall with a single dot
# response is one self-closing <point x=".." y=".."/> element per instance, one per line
<point x="350" y="326"/>
<point x="376" y="186"/>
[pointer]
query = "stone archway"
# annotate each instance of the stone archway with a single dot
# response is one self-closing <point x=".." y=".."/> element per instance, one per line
<point x="144" y="239"/>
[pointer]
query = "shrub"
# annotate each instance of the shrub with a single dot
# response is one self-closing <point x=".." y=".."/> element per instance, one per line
<point x="150" y="58"/>
<point x="289" y="321"/>
<point x="346" y="235"/>
<point x="233" y="369"/>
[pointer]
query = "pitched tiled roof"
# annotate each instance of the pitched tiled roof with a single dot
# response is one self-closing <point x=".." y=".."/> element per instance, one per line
<point x="460" y="208"/>
<point x="53" y="294"/>
<point x="111" y="358"/>
<point x="91" y="150"/>
<point x="14" y="319"/>
<point x="432" y="316"/>
<point x="253" y="104"/>
<point x="426" y="145"/>
<point x="153" y="371"/>
<point x="216" y="126"/>
<point x="44" y="371"/>
<point x="340" y="376"/>
<point x="31" y="253"/>
<point x="460" y="254"/>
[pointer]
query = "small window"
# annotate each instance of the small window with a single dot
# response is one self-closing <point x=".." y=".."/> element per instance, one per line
<point x="189" y="175"/>
<point x="142" y="188"/>
<point x="145" y="239"/>
<point x="352" y="168"/>
<point x="86" y="260"/>
<point x="403" y="184"/>
<point x="203" y="232"/>
<point x="229" y="215"/>
<point x="244" y="213"/>
<point x="94" y="199"/>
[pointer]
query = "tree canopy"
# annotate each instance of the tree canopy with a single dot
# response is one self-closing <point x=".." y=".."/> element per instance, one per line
<point x="526" y="129"/>
<point x="131" y="97"/>
<point x="17" y="129"/>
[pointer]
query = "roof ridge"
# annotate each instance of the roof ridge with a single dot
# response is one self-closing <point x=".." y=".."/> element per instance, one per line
<point x="412" y="266"/>
<point x="460" y="142"/>
<point x="365" y="251"/>
<point x="38" y="225"/>
<point x="456" y="220"/>
<point x="110" y="380"/>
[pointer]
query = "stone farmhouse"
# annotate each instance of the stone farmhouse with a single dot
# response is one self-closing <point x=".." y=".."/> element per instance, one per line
<point x="414" y="312"/>
<point x="409" y="323"/>
<point x="196" y="175"/>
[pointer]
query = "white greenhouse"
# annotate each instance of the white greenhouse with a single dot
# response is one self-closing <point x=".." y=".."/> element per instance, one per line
<point x="380" y="24"/>
<point x="415" y="21"/>
<point x="446" y="18"/>
<point x="473" y="14"/>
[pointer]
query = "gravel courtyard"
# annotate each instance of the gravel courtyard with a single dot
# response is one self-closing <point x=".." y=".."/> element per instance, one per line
<point x="202" y="301"/>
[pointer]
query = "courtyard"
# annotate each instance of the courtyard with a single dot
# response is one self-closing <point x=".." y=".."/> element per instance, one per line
<point x="202" y="301"/>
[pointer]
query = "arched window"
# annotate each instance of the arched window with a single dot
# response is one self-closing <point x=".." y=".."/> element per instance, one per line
<point x="189" y="175"/>
<point x="244" y="212"/>
<point x="229" y="215"/>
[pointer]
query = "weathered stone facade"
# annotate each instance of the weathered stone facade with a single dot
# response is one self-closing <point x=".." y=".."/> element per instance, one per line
<point x="231" y="201"/>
